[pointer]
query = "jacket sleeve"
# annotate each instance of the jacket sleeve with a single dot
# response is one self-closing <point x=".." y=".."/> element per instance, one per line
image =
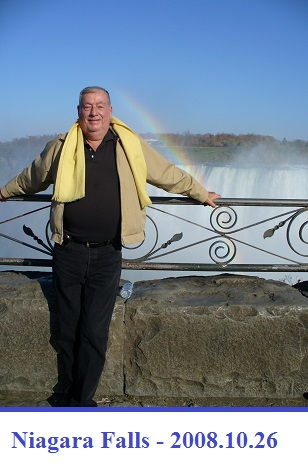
<point x="165" y="175"/>
<point x="39" y="175"/>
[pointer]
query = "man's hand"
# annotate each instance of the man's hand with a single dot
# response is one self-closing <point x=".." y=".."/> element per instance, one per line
<point x="210" y="200"/>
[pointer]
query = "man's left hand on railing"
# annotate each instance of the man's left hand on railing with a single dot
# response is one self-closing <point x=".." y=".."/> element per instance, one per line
<point x="212" y="196"/>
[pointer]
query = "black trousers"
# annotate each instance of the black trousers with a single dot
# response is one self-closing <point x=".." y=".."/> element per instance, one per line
<point x="86" y="283"/>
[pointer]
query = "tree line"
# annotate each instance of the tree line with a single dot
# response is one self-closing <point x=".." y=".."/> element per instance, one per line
<point x="226" y="140"/>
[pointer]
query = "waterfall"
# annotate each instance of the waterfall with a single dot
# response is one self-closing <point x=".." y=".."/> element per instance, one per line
<point x="253" y="181"/>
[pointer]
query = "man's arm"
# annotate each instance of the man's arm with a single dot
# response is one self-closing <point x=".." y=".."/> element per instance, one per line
<point x="38" y="176"/>
<point x="163" y="174"/>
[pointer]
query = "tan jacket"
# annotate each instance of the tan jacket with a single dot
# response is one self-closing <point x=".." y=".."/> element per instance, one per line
<point x="160" y="173"/>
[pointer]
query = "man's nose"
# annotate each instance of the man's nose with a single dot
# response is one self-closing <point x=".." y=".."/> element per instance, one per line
<point x="94" y="110"/>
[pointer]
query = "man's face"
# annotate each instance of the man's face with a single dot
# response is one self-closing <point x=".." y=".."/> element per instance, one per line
<point x="94" y="114"/>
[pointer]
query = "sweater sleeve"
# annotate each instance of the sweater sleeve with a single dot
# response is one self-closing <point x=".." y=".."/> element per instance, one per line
<point x="39" y="175"/>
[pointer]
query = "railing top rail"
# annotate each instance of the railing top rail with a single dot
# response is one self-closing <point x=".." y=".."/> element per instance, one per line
<point x="169" y="200"/>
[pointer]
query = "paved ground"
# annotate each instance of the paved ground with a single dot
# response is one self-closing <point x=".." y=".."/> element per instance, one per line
<point x="32" y="399"/>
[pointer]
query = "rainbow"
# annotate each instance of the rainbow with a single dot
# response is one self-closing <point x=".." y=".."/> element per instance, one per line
<point x="152" y="125"/>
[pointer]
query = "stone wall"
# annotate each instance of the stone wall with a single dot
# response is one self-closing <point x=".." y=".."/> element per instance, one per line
<point x="214" y="336"/>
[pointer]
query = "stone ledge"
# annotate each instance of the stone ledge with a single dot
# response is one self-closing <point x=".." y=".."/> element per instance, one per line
<point x="225" y="337"/>
<point x="216" y="336"/>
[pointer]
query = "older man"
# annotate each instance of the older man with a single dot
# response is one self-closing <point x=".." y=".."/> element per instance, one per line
<point x="99" y="170"/>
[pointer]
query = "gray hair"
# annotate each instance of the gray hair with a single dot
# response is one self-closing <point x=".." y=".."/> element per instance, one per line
<point x="93" y="89"/>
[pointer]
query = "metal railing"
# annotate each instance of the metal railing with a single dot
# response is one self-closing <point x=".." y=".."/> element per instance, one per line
<point x="281" y="237"/>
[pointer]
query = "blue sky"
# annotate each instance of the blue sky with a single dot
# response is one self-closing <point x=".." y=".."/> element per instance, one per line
<point x="236" y="66"/>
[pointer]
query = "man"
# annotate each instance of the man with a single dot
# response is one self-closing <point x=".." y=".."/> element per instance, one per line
<point x="99" y="170"/>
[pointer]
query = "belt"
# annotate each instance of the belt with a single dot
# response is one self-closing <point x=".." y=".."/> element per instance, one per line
<point x="67" y="238"/>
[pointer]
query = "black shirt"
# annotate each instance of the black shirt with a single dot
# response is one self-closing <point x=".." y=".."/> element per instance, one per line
<point x="96" y="217"/>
